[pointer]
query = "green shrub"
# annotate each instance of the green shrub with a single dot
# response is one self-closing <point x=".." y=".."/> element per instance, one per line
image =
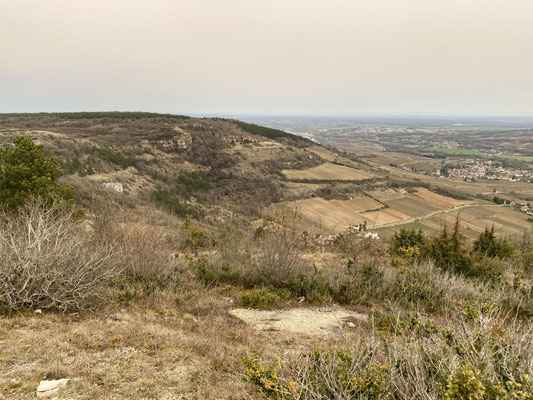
<point x="417" y="286"/>
<point x="486" y="268"/>
<point x="405" y="239"/>
<point x="527" y="258"/>
<point x="259" y="297"/>
<point x="216" y="274"/>
<point x="447" y="251"/>
<point x="190" y="183"/>
<point x="196" y="237"/>
<point x="173" y="204"/>
<point x="469" y="358"/>
<point x="498" y="200"/>
<point x="313" y="286"/>
<point x="26" y="172"/>
<point x="117" y="158"/>
<point x="132" y="288"/>
<point x="360" y="285"/>
<point x="465" y="383"/>
<point x="321" y="375"/>
<point x="187" y="184"/>
<point x="402" y="324"/>
<point x="271" y="133"/>
<point x="488" y="245"/>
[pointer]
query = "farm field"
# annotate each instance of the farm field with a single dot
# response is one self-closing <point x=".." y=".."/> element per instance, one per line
<point x="324" y="153"/>
<point x="384" y="216"/>
<point x="337" y="215"/>
<point x="419" y="203"/>
<point x="331" y="215"/>
<point x="334" y="215"/>
<point x="507" y="221"/>
<point x="421" y="209"/>
<point x="458" y="151"/>
<point x="411" y="205"/>
<point x="528" y="159"/>
<point x="437" y="200"/>
<point x="473" y="220"/>
<point x="327" y="171"/>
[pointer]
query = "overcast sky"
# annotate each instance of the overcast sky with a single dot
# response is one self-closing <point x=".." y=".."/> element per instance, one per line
<point x="268" y="56"/>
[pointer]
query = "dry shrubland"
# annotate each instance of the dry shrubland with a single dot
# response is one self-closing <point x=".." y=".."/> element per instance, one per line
<point x="440" y="314"/>
<point x="429" y="329"/>
<point x="50" y="260"/>
<point x="482" y="354"/>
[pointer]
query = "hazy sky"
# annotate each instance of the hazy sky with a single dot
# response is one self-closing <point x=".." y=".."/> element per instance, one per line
<point x="268" y="56"/>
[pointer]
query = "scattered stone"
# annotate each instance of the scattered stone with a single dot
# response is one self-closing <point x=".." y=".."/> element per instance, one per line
<point x="48" y="388"/>
<point x="114" y="186"/>
<point x="38" y="311"/>
<point x="350" y="324"/>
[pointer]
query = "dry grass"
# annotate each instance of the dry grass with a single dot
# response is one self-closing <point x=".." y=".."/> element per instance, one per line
<point x="327" y="171"/>
<point x="134" y="353"/>
<point x="157" y="347"/>
<point x="322" y="152"/>
<point x="146" y="250"/>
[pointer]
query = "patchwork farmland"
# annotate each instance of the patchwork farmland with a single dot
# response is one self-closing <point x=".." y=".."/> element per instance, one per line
<point x="474" y="218"/>
<point x="334" y="215"/>
<point x="388" y="210"/>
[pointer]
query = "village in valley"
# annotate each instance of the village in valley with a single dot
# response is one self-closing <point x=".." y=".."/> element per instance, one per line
<point x="494" y="170"/>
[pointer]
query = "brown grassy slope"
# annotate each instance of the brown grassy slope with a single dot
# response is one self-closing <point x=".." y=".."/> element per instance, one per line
<point x="136" y="352"/>
<point x="145" y="151"/>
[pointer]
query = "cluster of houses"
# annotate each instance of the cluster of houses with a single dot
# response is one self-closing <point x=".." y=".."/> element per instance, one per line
<point x="359" y="231"/>
<point x="486" y="170"/>
<point x="525" y="208"/>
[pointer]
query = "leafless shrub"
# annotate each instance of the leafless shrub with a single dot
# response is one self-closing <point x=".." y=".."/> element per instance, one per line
<point x="277" y="258"/>
<point x="49" y="260"/>
<point x="277" y="252"/>
<point x="145" y="250"/>
<point x="144" y="238"/>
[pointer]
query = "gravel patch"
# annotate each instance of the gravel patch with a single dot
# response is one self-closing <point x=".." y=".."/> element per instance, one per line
<point x="306" y="321"/>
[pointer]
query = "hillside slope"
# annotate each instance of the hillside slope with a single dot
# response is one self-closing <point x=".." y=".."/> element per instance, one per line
<point x="161" y="157"/>
<point x="189" y="275"/>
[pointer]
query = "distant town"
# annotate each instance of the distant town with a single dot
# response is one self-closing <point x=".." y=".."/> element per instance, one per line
<point x="473" y="170"/>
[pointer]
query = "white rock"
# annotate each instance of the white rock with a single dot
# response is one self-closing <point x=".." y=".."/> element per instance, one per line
<point x="48" y="388"/>
<point x="38" y="311"/>
<point x="350" y="325"/>
<point x="114" y="186"/>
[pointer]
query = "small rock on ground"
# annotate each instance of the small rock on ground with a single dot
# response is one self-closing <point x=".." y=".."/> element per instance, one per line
<point x="48" y="388"/>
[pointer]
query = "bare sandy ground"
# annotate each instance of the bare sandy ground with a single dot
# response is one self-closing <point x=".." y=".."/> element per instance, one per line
<point x="307" y="321"/>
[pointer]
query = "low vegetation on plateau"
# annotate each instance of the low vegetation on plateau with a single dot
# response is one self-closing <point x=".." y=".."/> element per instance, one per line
<point x="129" y="293"/>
